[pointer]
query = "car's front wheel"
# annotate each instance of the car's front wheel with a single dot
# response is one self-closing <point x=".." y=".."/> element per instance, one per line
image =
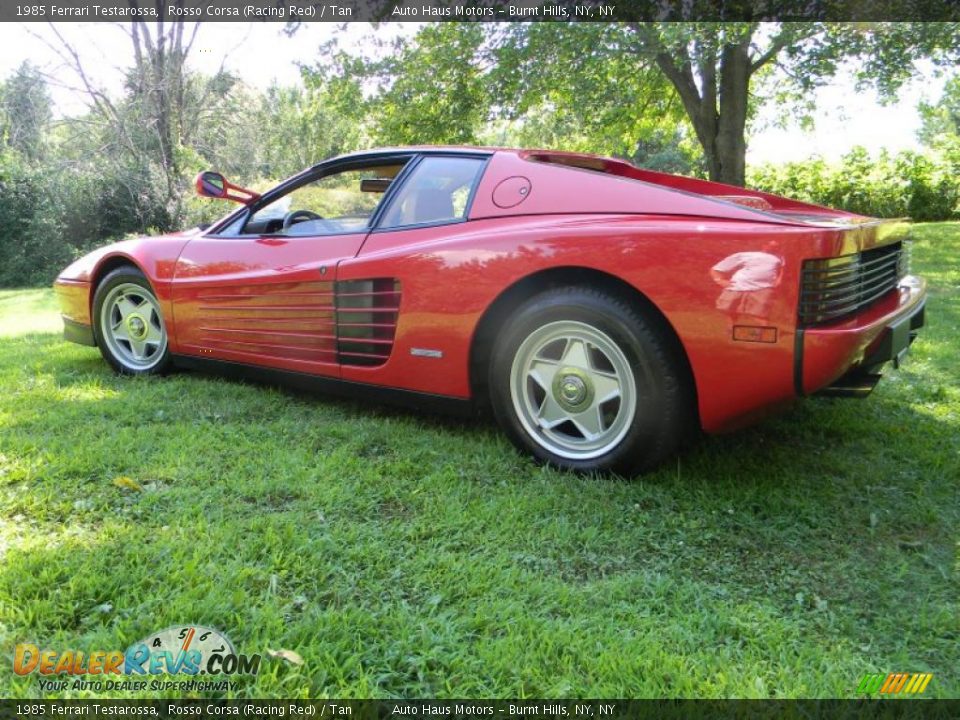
<point x="586" y="381"/>
<point x="128" y="324"/>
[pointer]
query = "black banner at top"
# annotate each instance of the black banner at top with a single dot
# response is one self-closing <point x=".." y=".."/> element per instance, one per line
<point x="284" y="11"/>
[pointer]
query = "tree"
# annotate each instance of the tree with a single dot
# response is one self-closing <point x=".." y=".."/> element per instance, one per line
<point x="542" y="84"/>
<point x="153" y="133"/>
<point x="712" y="67"/>
<point x="429" y="89"/>
<point x="940" y="132"/>
<point x="619" y="87"/>
<point x="941" y="120"/>
<point x="573" y="87"/>
<point x="25" y="111"/>
<point x="300" y="127"/>
<point x="437" y="91"/>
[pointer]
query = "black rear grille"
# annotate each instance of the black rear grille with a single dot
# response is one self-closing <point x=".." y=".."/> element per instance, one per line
<point x="366" y="312"/>
<point x="832" y="288"/>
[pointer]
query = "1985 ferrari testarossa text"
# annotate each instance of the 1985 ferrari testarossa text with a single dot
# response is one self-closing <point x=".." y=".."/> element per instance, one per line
<point x="599" y="309"/>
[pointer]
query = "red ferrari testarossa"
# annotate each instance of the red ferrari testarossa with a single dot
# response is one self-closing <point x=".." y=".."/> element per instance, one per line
<point x="599" y="309"/>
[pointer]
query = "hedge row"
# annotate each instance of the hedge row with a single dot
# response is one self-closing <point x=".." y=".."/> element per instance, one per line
<point x="904" y="185"/>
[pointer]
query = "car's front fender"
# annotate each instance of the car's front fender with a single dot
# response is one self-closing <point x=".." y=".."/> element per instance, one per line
<point x="155" y="257"/>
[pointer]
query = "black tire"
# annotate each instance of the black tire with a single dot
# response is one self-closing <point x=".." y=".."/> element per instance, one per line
<point x="663" y="406"/>
<point x="129" y="278"/>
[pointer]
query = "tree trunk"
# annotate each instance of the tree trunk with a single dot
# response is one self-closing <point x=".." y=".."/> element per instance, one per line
<point x="718" y="111"/>
<point x="731" y="143"/>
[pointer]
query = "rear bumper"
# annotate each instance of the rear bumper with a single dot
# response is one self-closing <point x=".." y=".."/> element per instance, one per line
<point x="844" y="358"/>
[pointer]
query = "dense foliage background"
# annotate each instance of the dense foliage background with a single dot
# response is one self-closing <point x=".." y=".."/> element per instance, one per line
<point x="68" y="184"/>
<point x="919" y="186"/>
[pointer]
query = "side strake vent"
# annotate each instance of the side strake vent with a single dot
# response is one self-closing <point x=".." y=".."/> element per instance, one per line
<point x="833" y="288"/>
<point x="366" y="312"/>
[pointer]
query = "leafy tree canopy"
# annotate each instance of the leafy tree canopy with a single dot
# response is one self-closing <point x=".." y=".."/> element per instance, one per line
<point x="615" y="87"/>
<point x="25" y="111"/>
<point x="941" y="120"/>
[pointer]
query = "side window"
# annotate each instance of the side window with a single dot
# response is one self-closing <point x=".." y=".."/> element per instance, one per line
<point x="437" y="191"/>
<point x="340" y="203"/>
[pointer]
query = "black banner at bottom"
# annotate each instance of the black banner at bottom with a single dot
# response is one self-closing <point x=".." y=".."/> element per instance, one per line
<point x="474" y="709"/>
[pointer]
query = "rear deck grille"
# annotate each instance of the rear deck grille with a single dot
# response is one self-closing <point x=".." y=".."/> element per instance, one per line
<point x="366" y="313"/>
<point x="832" y="288"/>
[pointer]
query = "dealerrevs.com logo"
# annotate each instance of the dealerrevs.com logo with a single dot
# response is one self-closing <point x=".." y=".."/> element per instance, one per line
<point x="190" y="650"/>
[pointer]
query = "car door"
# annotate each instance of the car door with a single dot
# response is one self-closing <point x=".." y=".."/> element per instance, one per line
<point x="430" y="204"/>
<point x="263" y="290"/>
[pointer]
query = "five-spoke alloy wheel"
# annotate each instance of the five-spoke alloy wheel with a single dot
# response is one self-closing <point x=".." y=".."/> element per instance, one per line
<point x="573" y="390"/>
<point x="128" y="323"/>
<point x="586" y="380"/>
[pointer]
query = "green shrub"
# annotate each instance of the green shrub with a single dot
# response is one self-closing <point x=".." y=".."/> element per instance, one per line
<point x="50" y="215"/>
<point x="108" y="203"/>
<point x="31" y="234"/>
<point x="905" y="185"/>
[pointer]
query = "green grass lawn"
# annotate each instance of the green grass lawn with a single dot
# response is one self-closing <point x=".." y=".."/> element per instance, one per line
<point x="405" y="555"/>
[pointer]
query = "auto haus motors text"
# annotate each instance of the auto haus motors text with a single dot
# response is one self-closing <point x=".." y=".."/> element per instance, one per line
<point x="98" y="668"/>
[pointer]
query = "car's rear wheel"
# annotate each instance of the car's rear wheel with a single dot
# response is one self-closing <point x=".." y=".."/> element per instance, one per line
<point x="128" y="324"/>
<point x="584" y="380"/>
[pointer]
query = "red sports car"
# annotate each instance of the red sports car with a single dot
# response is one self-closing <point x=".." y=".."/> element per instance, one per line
<point x="600" y="310"/>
